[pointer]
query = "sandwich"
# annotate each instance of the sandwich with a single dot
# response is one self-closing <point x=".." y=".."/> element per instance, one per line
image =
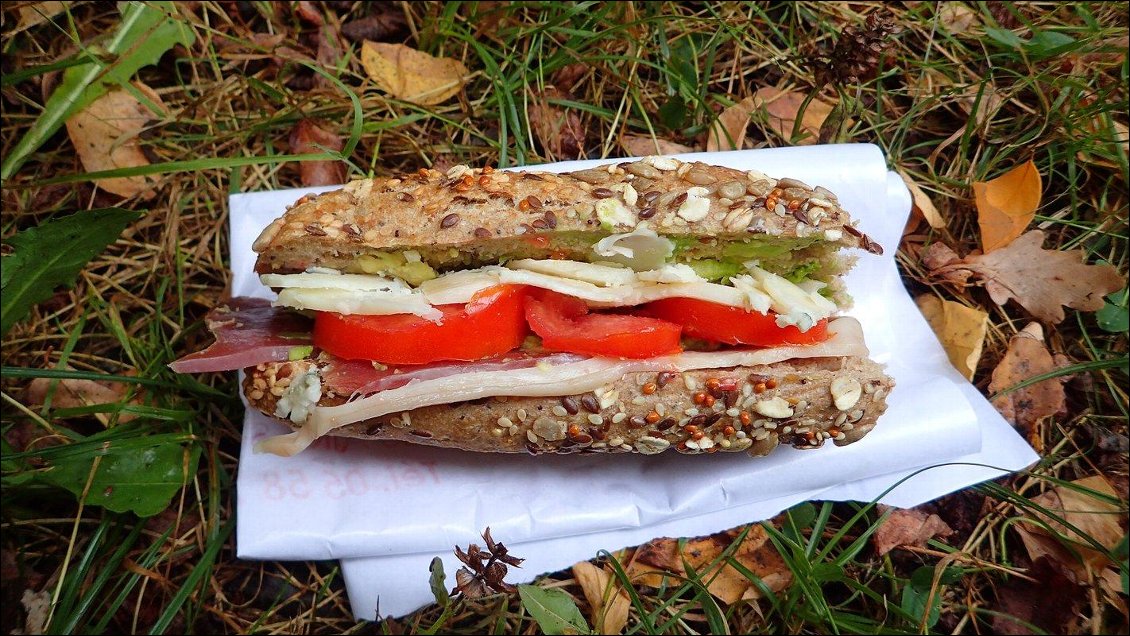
<point x="631" y="308"/>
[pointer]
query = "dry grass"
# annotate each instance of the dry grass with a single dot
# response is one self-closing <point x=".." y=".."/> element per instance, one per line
<point x="950" y="105"/>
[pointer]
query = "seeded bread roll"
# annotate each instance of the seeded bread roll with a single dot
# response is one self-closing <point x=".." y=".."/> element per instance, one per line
<point x="753" y="409"/>
<point x="468" y="217"/>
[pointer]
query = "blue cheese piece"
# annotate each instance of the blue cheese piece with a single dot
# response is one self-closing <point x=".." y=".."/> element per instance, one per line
<point x="301" y="397"/>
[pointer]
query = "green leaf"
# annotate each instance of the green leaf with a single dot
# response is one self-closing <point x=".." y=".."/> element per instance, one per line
<point x="917" y="592"/>
<point x="138" y="474"/>
<point x="554" y="610"/>
<point x="438" y="582"/>
<point x="38" y="264"/>
<point x="147" y="31"/>
<point x="1046" y="44"/>
<point x="1114" y="316"/>
<point x="673" y="112"/>
<point x="1004" y="37"/>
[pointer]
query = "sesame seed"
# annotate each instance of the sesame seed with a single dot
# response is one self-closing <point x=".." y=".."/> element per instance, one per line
<point x="725" y="443"/>
<point x="691" y="411"/>
<point x="690" y="383"/>
<point x="762" y="434"/>
<point x="616" y="441"/>
<point x="505" y="422"/>
<point x="619" y="417"/>
<point x="530" y="436"/>
<point x="741" y="435"/>
<point x="596" y="420"/>
<point x="661" y="409"/>
<point x="847" y="426"/>
<point x="521" y="415"/>
<point x="639" y="400"/>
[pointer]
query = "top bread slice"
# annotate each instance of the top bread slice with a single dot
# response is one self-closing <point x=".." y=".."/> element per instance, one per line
<point x="469" y="217"/>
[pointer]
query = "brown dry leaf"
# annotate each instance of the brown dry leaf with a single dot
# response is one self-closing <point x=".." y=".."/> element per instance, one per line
<point x="36" y="13"/>
<point x="606" y="597"/>
<point x="412" y="75"/>
<point x="1007" y="204"/>
<point x="728" y="131"/>
<point x="1051" y="603"/>
<point x="72" y="393"/>
<point x="308" y="137"/>
<point x="105" y="135"/>
<point x="1027" y="357"/>
<point x="781" y="108"/>
<point x="727" y="584"/>
<point x="560" y="132"/>
<point x="1043" y="281"/>
<point x="908" y="526"/>
<point x="637" y="146"/>
<point x="922" y="203"/>
<point x="957" y="18"/>
<point x="960" y="329"/>
<point x="1094" y="517"/>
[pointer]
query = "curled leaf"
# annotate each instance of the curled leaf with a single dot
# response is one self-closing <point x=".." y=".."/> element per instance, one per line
<point x="1007" y="204"/>
<point x="908" y="526"/>
<point x="608" y="602"/>
<point x="412" y="75"/>
<point x="960" y="329"/>
<point x="309" y="137"/>
<point x="922" y="205"/>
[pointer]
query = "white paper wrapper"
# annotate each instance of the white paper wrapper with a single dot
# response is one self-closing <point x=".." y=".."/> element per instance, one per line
<point x="386" y="509"/>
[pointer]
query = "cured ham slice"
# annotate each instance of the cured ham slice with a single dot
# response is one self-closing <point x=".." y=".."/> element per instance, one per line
<point x="361" y="377"/>
<point x="248" y="331"/>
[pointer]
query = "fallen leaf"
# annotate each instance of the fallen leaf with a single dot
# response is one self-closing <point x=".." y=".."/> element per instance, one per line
<point x="1050" y="603"/>
<point x="637" y="146"/>
<point x="105" y="135"/>
<point x="1007" y="204"/>
<point x="908" y="526"/>
<point x="73" y="393"/>
<point x="1027" y="357"/>
<point x="385" y="21"/>
<point x="567" y="76"/>
<point x="412" y="75"/>
<point x="781" y="109"/>
<point x="960" y="329"/>
<point x="728" y="131"/>
<point x="922" y="203"/>
<point x="957" y="18"/>
<point x="607" y="599"/>
<point x="38" y="608"/>
<point x="560" y="131"/>
<point x="1043" y="281"/>
<point x="308" y="137"/>
<point x="36" y="13"/>
<point x="307" y="12"/>
<point x="656" y="559"/>
<point x="1095" y="518"/>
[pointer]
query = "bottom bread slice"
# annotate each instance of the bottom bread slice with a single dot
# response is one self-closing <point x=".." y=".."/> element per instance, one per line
<point x="802" y="403"/>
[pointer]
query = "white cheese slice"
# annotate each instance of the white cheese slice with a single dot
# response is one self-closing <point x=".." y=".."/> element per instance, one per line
<point x="563" y="379"/>
<point x="352" y="282"/>
<point x="603" y="275"/>
<point x="360" y="302"/>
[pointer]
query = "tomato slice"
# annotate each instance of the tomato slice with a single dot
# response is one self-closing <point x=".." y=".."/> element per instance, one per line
<point x="732" y="325"/>
<point x="492" y="323"/>
<point x="564" y="324"/>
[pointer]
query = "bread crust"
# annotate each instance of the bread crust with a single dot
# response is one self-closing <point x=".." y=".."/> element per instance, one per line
<point x="465" y="207"/>
<point x="752" y="409"/>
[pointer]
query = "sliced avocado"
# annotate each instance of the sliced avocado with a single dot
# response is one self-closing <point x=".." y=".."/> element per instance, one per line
<point x="395" y="264"/>
<point x="801" y="271"/>
<point x="714" y="270"/>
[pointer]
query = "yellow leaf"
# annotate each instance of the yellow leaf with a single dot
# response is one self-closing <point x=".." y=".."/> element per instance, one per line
<point x="105" y="135"/>
<point x="606" y="597"/>
<point x="412" y="75"/>
<point x="957" y="18"/>
<point x="782" y="108"/>
<point x="1007" y="204"/>
<point x="637" y="146"/>
<point x="960" y="329"/>
<point x="728" y="131"/>
<point x="922" y="202"/>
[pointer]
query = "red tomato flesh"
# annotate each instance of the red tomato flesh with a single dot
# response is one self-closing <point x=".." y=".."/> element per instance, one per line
<point x="732" y="325"/>
<point x="492" y="323"/>
<point x="564" y="324"/>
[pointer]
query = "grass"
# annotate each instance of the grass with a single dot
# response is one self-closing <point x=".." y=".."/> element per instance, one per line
<point x="950" y="104"/>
